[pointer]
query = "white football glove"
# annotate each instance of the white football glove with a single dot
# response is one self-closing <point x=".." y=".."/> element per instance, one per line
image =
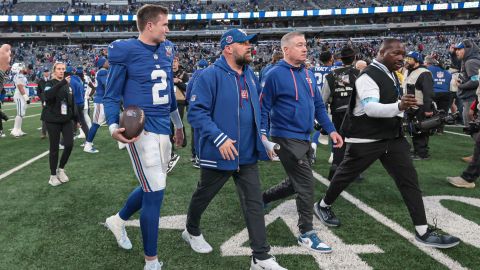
<point x="26" y="97"/>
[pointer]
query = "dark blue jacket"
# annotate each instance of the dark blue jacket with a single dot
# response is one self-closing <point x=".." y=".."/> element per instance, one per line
<point x="78" y="90"/>
<point x="290" y="99"/>
<point x="214" y="113"/>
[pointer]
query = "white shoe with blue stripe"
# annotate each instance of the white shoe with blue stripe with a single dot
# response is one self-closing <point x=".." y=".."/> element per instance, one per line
<point x="311" y="241"/>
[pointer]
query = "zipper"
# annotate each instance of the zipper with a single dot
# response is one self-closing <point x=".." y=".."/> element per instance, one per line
<point x="238" y="124"/>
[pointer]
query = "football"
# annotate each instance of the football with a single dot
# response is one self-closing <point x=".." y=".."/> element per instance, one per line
<point x="133" y="120"/>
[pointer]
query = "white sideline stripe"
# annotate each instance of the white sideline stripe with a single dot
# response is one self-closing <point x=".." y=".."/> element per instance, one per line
<point x="29" y="106"/>
<point x="23" y="165"/>
<point x="456" y="133"/>
<point x="432" y="252"/>
<point x="455" y="126"/>
<point x="28" y="116"/>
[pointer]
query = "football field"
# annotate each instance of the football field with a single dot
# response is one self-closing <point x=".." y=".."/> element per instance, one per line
<point x="44" y="227"/>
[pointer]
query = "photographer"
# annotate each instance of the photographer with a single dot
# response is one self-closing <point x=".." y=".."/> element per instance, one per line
<point x="418" y="81"/>
<point x="59" y="113"/>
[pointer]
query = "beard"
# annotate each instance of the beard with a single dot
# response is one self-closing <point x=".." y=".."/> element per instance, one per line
<point x="242" y="60"/>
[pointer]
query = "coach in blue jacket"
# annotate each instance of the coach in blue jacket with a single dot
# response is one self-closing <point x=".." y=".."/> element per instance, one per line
<point x="224" y="110"/>
<point x="291" y="101"/>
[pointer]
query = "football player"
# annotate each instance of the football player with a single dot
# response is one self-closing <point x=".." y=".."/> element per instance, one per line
<point x="21" y="97"/>
<point x="141" y="75"/>
<point x="98" y="112"/>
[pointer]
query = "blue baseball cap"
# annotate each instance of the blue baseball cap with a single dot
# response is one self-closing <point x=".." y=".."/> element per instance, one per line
<point x="100" y="62"/>
<point x="236" y="36"/>
<point x="460" y="45"/>
<point x="69" y="69"/>
<point x="415" y="55"/>
<point x="202" y="63"/>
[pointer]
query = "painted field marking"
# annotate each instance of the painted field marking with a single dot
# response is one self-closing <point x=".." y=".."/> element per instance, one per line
<point x="23" y="165"/>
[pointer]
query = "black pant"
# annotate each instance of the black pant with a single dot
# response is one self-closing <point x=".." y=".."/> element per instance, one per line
<point x="247" y="182"/>
<point x="294" y="155"/>
<point x="473" y="170"/>
<point x="443" y="100"/>
<point x="54" y="130"/>
<point x="81" y="119"/>
<point x="395" y="157"/>
<point x="420" y="141"/>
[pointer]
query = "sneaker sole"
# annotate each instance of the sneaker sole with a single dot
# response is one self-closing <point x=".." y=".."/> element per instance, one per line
<point x="108" y="228"/>
<point x="444" y="246"/>
<point x="325" y="251"/>
<point x="462" y="186"/>
<point x="321" y="219"/>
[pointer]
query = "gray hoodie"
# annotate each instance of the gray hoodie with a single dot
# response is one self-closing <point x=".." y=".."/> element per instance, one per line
<point x="469" y="70"/>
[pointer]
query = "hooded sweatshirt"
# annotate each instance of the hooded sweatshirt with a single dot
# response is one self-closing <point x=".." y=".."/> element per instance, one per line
<point x="225" y="105"/>
<point x="469" y="70"/>
<point x="290" y="100"/>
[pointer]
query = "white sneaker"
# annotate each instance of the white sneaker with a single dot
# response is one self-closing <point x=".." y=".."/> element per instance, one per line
<point x="156" y="266"/>
<point x="62" y="176"/>
<point x="61" y="147"/>
<point x="2" y="135"/>
<point x="197" y="243"/>
<point x="269" y="264"/>
<point x="173" y="161"/>
<point x="54" y="181"/>
<point x="89" y="148"/>
<point x="117" y="226"/>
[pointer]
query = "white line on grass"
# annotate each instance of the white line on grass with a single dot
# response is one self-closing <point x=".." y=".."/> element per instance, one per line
<point x="28" y="116"/>
<point x="23" y="165"/>
<point x="434" y="253"/>
<point x="456" y="133"/>
<point x="29" y="106"/>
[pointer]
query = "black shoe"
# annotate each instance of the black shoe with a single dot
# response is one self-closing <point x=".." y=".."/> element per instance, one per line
<point x="326" y="215"/>
<point x="173" y="161"/>
<point x="432" y="238"/>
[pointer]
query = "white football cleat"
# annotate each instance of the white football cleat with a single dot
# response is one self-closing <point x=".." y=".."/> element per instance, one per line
<point x="268" y="264"/>
<point x="117" y="226"/>
<point x="62" y="176"/>
<point x="54" y="181"/>
<point x="197" y="243"/>
<point x="89" y="148"/>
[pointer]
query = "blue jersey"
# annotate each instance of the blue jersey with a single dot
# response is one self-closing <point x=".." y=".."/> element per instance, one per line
<point x="142" y="75"/>
<point x="101" y="78"/>
<point x="321" y="73"/>
<point x="78" y="90"/>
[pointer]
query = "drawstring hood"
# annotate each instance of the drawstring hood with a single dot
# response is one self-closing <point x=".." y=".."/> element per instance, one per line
<point x="292" y="72"/>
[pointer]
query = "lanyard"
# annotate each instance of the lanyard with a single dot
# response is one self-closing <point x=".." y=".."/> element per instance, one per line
<point x="393" y="77"/>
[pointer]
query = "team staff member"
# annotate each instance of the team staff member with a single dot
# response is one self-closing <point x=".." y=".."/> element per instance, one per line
<point x="374" y="131"/>
<point x="59" y="115"/>
<point x="224" y="109"/>
<point x="291" y="101"/>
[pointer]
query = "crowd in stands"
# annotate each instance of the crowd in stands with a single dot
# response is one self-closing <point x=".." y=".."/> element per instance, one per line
<point x="39" y="56"/>
<point x="192" y="6"/>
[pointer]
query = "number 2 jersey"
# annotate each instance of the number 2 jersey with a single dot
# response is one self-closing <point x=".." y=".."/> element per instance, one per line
<point x="142" y="75"/>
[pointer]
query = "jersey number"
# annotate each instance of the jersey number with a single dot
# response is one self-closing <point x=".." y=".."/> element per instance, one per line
<point x="158" y="88"/>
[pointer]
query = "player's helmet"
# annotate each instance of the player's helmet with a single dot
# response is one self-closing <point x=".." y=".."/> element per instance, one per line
<point x="18" y="67"/>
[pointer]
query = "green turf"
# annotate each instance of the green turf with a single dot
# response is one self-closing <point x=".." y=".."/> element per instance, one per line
<point x="42" y="227"/>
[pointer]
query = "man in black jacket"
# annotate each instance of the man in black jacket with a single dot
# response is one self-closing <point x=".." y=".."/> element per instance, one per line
<point x="4" y="66"/>
<point x="373" y="131"/>
<point x="41" y="94"/>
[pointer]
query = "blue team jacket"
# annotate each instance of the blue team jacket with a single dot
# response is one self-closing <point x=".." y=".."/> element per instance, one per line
<point x="290" y="99"/>
<point x="441" y="79"/>
<point x="214" y="113"/>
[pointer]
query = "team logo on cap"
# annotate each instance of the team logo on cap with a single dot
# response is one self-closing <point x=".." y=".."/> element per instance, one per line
<point x="229" y="39"/>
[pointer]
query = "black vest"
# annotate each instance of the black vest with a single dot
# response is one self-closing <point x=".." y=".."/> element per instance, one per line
<point x="341" y="83"/>
<point x="365" y="127"/>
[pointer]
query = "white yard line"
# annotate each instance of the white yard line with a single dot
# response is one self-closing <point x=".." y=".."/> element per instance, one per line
<point x="432" y="252"/>
<point x="29" y="106"/>
<point x="28" y="116"/>
<point x="23" y="165"/>
<point x="456" y="133"/>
